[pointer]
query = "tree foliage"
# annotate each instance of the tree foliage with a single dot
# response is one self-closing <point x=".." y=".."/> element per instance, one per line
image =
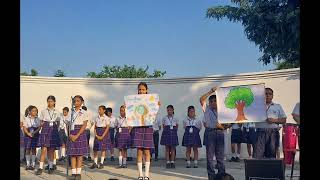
<point x="32" y="73"/>
<point x="126" y="72"/>
<point x="273" y="25"/>
<point x="239" y="94"/>
<point x="59" y="73"/>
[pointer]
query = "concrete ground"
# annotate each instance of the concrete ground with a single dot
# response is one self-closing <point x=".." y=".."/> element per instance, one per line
<point x="158" y="171"/>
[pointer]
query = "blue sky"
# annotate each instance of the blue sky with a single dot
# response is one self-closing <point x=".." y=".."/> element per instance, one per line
<point x="79" y="36"/>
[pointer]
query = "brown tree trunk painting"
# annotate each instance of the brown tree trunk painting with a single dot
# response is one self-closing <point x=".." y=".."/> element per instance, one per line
<point x="240" y="106"/>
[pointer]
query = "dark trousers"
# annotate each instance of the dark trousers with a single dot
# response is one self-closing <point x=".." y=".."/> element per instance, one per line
<point x="156" y="143"/>
<point x="265" y="146"/>
<point x="88" y="139"/>
<point x="214" y="147"/>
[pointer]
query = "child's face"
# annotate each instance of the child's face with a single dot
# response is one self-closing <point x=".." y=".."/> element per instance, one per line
<point x="269" y="96"/>
<point x="50" y="103"/>
<point x="101" y="111"/>
<point x="65" y="112"/>
<point x="77" y="102"/>
<point x="122" y="112"/>
<point x="33" y="112"/>
<point x="170" y="111"/>
<point x="142" y="90"/>
<point x="213" y="103"/>
<point x="109" y="113"/>
<point x="192" y="113"/>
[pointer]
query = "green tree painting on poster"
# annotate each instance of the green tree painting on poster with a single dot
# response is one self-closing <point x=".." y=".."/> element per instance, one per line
<point x="239" y="98"/>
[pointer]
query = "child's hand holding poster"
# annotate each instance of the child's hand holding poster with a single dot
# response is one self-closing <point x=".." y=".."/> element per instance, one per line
<point x="241" y="104"/>
<point x="141" y="109"/>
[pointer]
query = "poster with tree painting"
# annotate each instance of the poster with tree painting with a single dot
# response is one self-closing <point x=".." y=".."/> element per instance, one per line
<point x="141" y="109"/>
<point x="241" y="104"/>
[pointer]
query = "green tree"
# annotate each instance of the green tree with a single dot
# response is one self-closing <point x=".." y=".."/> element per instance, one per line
<point x="125" y="72"/>
<point x="33" y="73"/>
<point x="59" y="73"/>
<point x="239" y="98"/>
<point x="273" y="25"/>
<point x="285" y="65"/>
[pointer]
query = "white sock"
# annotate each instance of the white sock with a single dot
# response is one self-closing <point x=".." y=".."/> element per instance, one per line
<point x="57" y="154"/>
<point x="124" y="161"/>
<point x="78" y="171"/>
<point x="188" y="162"/>
<point x="50" y="164"/>
<point x="33" y="160"/>
<point x="140" y="169"/>
<point x="234" y="155"/>
<point x="168" y="162"/>
<point x="195" y="162"/>
<point x="28" y="160"/>
<point x="96" y="160"/>
<point x="63" y="152"/>
<point x="41" y="165"/>
<point x="147" y="169"/>
<point x="102" y="159"/>
<point x="120" y="160"/>
<point x="74" y="171"/>
<point x="172" y="161"/>
<point x="238" y="155"/>
<point x="54" y="161"/>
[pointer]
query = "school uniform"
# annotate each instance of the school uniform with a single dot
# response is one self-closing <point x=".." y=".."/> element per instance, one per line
<point x="191" y="136"/>
<point x="122" y="137"/>
<point x="169" y="136"/>
<point x="296" y="110"/>
<point x="249" y="133"/>
<point x="156" y="128"/>
<point x="63" y="131"/>
<point x="214" y="141"/>
<point x="236" y="134"/>
<point x="80" y="146"/>
<point x="112" y="120"/>
<point x="49" y="136"/>
<point x="31" y="124"/>
<point x="100" y="124"/>
<point x="268" y="134"/>
<point x="142" y="137"/>
<point x="21" y="132"/>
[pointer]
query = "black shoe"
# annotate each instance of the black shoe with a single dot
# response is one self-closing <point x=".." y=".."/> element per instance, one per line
<point x="195" y="166"/>
<point x="140" y="178"/>
<point x="31" y="168"/>
<point x="188" y="166"/>
<point x="112" y="158"/>
<point x="168" y="165"/>
<point x="100" y="166"/>
<point x="47" y="167"/>
<point x="124" y="166"/>
<point x="93" y="166"/>
<point x="73" y="177"/>
<point x="54" y="167"/>
<point x="39" y="172"/>
<point x="237" y="159"/>
<point x="233" y="159"/>
<point x="50" y="170"/>
<point x="27" y="168"/>
<point x="173" y="165"/>
<point x="146" y="178"/>
<point x="89" y="159"/>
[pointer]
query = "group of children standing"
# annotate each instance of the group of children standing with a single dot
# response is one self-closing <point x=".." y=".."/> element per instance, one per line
<point x="50" y="132"/>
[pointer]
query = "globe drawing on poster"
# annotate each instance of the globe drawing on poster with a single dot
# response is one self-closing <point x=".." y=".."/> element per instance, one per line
<point x="241" y="104"/>
<point x="141" y="109"/>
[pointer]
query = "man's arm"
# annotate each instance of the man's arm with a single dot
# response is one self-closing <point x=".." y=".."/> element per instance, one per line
<point x="205" y="96"/>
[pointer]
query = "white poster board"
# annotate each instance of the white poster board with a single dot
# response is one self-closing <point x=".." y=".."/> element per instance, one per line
<point x="241" y="104"/>
<point x="141" y="109"/>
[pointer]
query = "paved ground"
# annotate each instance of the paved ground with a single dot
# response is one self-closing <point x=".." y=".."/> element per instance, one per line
<point x="158" y="171"/>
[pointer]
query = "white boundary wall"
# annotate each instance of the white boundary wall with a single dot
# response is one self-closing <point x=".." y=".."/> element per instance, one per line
<point x="180" y="92"/>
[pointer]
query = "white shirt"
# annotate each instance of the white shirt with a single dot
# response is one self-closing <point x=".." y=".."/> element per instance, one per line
<point x="121" y="122"/>
<point x="249" y="125"/>
<point x="31" y="122"/>
<point x="102" y="121"/>
<point x="112" y="120"/>
<point x="156" y="124"/>
<point x="192" y="122"/>
<point x="79" y="117"/>
<point x="50" y="115"/>
<point x="273" y="111"/>
<point x="64" y="120"/>
<point x="168" y="121"/>
<point x="296" y="109"/>
<point x="21" y="117"/>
